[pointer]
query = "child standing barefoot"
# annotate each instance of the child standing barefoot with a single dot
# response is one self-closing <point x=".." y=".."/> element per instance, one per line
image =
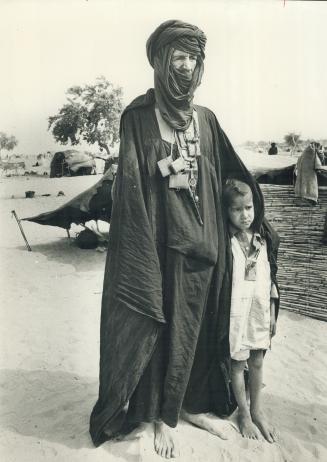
<point x="252" y="316"/>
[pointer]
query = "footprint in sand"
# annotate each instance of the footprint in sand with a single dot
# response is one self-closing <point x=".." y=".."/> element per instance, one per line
<point x="313" y="430"/>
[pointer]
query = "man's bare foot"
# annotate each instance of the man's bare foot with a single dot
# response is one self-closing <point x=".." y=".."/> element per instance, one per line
<point x="208" y="422"/>
<point x="165" y="443"/>
<point x="247" y="427"/>
<point x="265" y="427"/>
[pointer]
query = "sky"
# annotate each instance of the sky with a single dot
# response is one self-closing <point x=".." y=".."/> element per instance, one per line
<point x="265" y="67"/>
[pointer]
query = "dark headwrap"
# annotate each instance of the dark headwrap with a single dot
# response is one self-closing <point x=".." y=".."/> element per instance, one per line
<point x="174" y="95"/>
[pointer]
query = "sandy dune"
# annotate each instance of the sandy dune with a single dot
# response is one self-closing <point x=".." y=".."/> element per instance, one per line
<point x="49" y="330"/>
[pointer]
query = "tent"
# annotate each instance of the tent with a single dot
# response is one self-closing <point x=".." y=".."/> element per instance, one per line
<point x="267" y="169"/>
<point x="71" y="163"/>
<point x="93" y="204"/>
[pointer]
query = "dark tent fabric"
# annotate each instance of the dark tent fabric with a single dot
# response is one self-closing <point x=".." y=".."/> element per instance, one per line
<point x="322" y="172"/>
<point x="58" y="166"/>
<point x="71" y="163"/>
<point x="269" y="169"/>
<point x="93" y="204"/>
<point x="278" y="170"/>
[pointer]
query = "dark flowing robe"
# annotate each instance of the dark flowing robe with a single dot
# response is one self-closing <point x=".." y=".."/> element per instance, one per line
<point x="306" y="184"/>
<point x="165" y="305"/>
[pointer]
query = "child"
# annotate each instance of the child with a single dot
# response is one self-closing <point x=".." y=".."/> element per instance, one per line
<point x="252" y="315"/>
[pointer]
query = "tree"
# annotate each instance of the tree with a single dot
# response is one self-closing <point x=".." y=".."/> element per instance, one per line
<point x="92" y="114"/>
<point x="7" y="142"/>
<point x="292" y="140"/>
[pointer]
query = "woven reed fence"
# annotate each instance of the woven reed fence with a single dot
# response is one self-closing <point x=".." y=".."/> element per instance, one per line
<point x="302" y="259"/>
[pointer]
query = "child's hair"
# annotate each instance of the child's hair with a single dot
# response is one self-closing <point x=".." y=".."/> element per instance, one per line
<point x="233" y="188"/>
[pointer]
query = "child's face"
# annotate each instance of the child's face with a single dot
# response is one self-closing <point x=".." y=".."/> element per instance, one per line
<point x="241" y="212"/>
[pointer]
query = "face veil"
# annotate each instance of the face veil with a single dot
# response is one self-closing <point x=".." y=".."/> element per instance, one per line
<point x="174" y="94"/>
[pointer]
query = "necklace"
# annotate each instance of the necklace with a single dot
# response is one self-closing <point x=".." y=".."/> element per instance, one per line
<point x="183" y="171"/>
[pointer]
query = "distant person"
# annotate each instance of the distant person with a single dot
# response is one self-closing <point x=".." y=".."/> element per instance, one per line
<point x="306" y="184"/>
<point x="253" y="307"/>
<point x="273" y="150"/>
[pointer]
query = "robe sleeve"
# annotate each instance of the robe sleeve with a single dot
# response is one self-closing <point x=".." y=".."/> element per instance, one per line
<point x="133" y="258"/>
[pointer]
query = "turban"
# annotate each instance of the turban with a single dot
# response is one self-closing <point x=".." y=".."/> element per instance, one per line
<point x="175" y="101"/>
<point x="187" y="37"/>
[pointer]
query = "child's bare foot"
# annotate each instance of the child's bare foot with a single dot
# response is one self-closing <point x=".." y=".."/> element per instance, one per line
<point x="247" y="427"/>
<point x="208" y="422"/>
<point x="164" y="442"/>
<point x="265" y="427"/>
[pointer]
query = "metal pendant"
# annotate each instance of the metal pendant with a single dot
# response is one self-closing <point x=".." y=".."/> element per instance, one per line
<point x="178" y="165"/>
<point x="164" y="165"/>
<point x="192" y="183"/>
<point x="192" y="150"/>
<point x="179" y="181"/>
<point x="250" y="270"/>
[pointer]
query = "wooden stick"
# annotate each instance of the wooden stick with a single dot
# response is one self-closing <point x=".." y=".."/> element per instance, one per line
<point x="21" y="230"/>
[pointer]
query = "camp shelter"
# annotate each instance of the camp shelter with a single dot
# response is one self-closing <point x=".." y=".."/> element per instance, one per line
<point x="71" y="163"/>
<point x="12" y="166"/>
<point x="302" y="258"/>
<point x="279" y="169"/>
<point x="267" y="169"/>
<point x="93" y="204"/>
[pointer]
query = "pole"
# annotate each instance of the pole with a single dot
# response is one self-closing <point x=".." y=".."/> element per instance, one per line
<point x="21" y="230"/>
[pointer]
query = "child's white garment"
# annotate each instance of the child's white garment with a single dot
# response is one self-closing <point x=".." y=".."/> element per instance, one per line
<point x="250" y="304"/>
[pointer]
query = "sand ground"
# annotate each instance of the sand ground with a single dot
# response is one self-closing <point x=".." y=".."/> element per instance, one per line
<point x="49" y="330"/>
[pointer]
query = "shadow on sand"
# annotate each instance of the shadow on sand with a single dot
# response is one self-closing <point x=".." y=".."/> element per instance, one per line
<point x="54" y="406"/>
<point x="65" y="251"/>
<point x="48" y="405"/>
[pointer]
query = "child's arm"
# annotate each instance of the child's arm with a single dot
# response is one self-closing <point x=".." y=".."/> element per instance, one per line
<point x="273" y="297"/>
<point x="272" y="317"/>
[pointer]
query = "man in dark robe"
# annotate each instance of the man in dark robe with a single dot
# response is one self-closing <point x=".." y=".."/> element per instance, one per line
<point x="165" y="308"/>
<point x="273" y="150"/>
